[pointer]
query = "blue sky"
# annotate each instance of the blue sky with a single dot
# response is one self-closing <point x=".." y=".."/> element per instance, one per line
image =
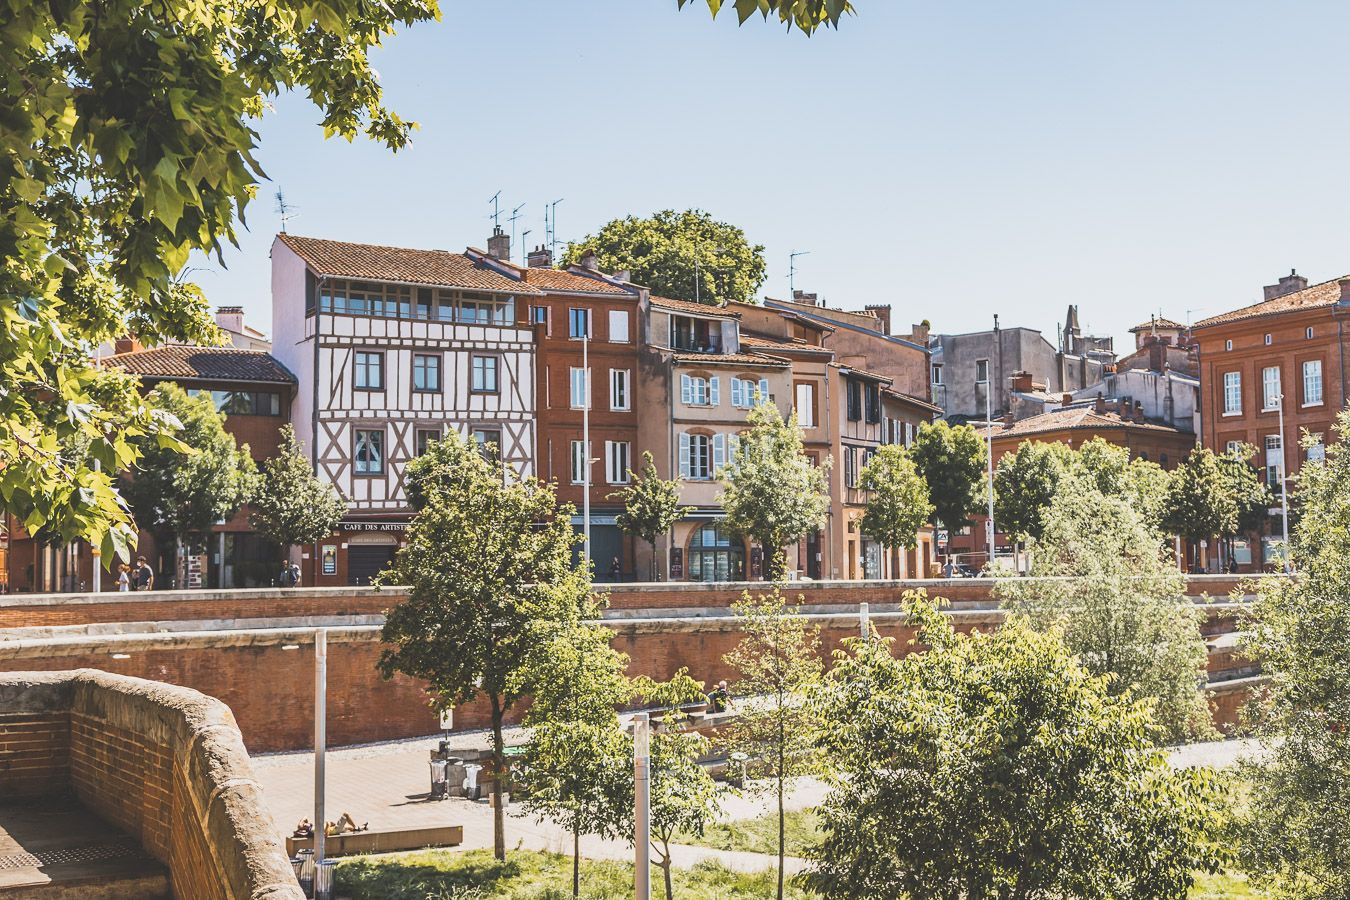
<point x="955" y="159"/>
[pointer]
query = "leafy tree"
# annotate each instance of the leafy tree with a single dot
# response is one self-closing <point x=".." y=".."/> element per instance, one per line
<point x="1297" y="830"/>
<point x="177" y="497"/>
<point x="779" y="665"/>
<point x="1200" y="503"/>
<point x="651" y="505"/>
<point x="774" y="494"/>
<point x="1106" y="465"/>
<point x="488" y="563"/>
<point x="1146" y="487"/>
<point x="578" y="763"/>
<point x="292" y="505"/>
<point x="897" y="502"/>
<point x="806" y="15"/>
<point x="1251" y="495"/>
<point x="1025" y="483"/>
<point x="686" y="255"/>
<point x="952" y="461"/>
<point x="995" y="766"/>
<point x="684" y="798"/>
<point x="1106" y="581"/>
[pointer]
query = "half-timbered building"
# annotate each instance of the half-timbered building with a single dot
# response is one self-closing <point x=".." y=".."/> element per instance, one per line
<point x="394" y="347"/>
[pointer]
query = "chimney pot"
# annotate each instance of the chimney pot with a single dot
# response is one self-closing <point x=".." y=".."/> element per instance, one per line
<point x="499" y="244"/>
<point x="589" y="261"/>
<point x="539" y="258"/>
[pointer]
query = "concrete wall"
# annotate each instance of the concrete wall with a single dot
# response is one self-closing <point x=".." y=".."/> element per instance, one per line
<point x="163" y="763"/>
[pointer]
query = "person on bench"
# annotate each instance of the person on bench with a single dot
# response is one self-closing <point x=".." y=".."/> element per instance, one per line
<point x="345" y="825"/>
<point x="720" y="698"/>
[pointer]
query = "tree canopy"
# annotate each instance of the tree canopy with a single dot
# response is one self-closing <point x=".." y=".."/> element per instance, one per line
<point x="897" y="501"/>
<point x="994" y="765"/>
<point x="1199" y="501"/>
<point x="806" y="15"/>
<point x="651" y="505"/>
<point x="292" y="505"/>
<point x="685" y="255"/>
<point x="951" y="460"/>
<point x="774" y="494"/>
<point x="1025" y="483"/>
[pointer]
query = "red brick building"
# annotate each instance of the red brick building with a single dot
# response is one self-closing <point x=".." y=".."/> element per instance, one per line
<point x="1283" y="354"/>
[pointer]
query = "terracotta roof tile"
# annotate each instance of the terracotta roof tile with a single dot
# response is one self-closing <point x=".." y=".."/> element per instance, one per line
<point x="790" y="346"/>
<point x="562" y="281"/>
<point x="1159" y="322"/>
<point x="698" y="309"/>
<point x="742" y="359"/>
<point x="369" y="261"/>
<point x="203" y="363"/>
<point x="1074" y="418"/>
<point x="1318" y="295"/>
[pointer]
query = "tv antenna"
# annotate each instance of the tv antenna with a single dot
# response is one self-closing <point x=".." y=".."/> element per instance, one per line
<point x="515" y="214"/>
<point x="525" y="246"/>
<point x="496" y="210"/>
<point x="792" y="270"/>
<point x="551" y="237"/>
<point x="284" y="209"/>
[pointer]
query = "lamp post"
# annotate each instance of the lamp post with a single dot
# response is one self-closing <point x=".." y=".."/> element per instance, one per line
<point x="1284" y="486"/>
<point x="989" y="447"/>
<point x="642" y="824"/>
<point x="320" y="735"/>
<point x="586" y="444"/>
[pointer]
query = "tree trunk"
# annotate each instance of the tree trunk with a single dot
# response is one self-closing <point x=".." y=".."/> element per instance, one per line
<point x="576" y="862"/>
<point x="665" y="874"/>
<point x="499" y="775"/>
<point x="782" y="828"/>
<point x="775" y="564"/>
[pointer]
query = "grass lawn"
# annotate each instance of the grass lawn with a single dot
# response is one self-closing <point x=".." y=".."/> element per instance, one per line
<point x="528" y="875"/>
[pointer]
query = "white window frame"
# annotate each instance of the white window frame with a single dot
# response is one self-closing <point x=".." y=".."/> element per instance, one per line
<point x="1270" y="339"/>
<point x="578" y="381"/>
<point x="381" y="456"/>
<point x="620" y="390"/>
<point x="978" y="379"/>
<point x="937" y="373"/>
<point x="619" y="321"/>
<point x="696" y="448"/>
<point x="1270" y="399"/>
<point x="590" y="323"/>
<point x="618" y="460"/>
<point x="804" y="399"/>
<point x="1228" y="345"/>
<point x="698" y="391"/>
<point x="578" y="462"/>
<point x="480" y="365"/>
<point x="1311" y="398"/>
<point x="364" y="362"/>
<point x="1232" y="393"/>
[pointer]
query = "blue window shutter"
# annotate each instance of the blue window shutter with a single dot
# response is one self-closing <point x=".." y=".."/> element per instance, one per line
<point x="764" y="389"/>
<point x="714" y="391"/>
<point x="737" y="392"/>
<point x="686" y="390"/>
<point x="719" y="453"/>
<point x="684" y="455"/>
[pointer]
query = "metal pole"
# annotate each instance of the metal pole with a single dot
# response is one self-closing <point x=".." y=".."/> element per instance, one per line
<point x="586" y="444"/>
<point x="320" y="736"/>
<point x="989" y="441"/>
<point x="864" y="620"/>
<point x="1284" y="488"/>
<point x="642" y="826"/>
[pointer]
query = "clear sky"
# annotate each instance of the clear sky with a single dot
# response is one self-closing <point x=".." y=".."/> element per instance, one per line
<point x="956" y="159"/>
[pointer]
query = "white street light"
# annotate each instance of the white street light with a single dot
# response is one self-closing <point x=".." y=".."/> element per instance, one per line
<point x="642" y="825"/>
<point x="1284" y="485"/>
<point x="320" y="736"/>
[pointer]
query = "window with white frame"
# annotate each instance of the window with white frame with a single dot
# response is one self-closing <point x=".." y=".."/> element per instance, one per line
<point x="698" y="391"/>
<point x="1232" y="447"/>
<point x="1270" y="387"/>
<point x="1269" y="340"/>
<point x="619" y="399"/>
<point x="369" y="451"/>
<point x="618" y="326"/>
<point x="1308" y="333"/>
<point x="580" y="395"/>
<point x="696" y="463"/>
<point x="617" y="461"/>
<point x="1317" y="452"/>
<point x="1228" y="345"/>
<point x="909" y="433"/>
<point x="578" y="462"/>
<point x="483" y="374"/>
<point x="369" y="370"/>
<point x="1232" y="393"/>
<point x="426" y="372"/>
<point x="937" y="374"/>
<point x="1275" y="462"/>
<point x="578" y="323"/>
<point x="1312" y="382"/>
<point x="806" y="404"/>
<point x="743" y="391"/>
<point x="981" y="371"/>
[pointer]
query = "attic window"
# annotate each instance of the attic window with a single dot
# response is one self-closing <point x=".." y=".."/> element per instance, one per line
<point x="1268" y="339"/>
<point x="1309" y="333"/>
<point x="1228" y="345"/>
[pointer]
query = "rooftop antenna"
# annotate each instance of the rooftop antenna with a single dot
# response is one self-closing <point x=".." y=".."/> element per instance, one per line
<point x="285" y="210"/>
<point x="496" y="211"/>
<point x="525" y="246"/>
<point x="515" y="214"/>
<point x="553" y="235"/>
<point x="792" y="270"/>
<point x="1193" y="310"/>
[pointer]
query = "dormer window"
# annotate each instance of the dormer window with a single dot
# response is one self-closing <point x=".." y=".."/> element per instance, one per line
<point x="694" y="335"/>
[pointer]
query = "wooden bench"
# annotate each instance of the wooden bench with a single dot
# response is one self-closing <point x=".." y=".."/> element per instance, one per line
<point x="381" y="841"/>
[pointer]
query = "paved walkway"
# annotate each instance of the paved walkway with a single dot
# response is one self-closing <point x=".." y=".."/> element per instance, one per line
<point x="386" y="785"/>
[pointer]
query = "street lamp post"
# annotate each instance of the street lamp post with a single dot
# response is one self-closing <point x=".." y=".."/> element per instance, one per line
<point x="642" y="824"/>
<point x="586" y="445"/>
<point x="989" y="447"/>
<point x="1284" y="486"/>
<point x="320" y="735"/>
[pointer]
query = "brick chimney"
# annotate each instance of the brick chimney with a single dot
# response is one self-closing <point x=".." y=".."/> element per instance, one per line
<point x="230" y="318"/>
<point x="539" y="258"/>
<point x="1021" y="381"/>
<point x="499" y="245"/>
<point x="1065" y="399"/>
<point x="1099" y="405"/>
<point x="127" y="344"/>
<point x="1157" y="355"/>
<point x="883" y="313"/>
<point x="1286" y="285"/>
<point x="589" y="262"/>
<point x="1138" y="411"/>
<point x="803" y="297"/>
<point x="1344" y="284"/>
<point x="919" y="333"/>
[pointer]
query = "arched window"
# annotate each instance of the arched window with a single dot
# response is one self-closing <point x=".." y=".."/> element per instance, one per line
<point x="714" y="555"/>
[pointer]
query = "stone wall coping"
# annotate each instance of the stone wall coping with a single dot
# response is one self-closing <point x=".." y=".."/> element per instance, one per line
<point x="932" y="585"/>
<point x="201" y="733"/>
<point x="1237" y="685"/>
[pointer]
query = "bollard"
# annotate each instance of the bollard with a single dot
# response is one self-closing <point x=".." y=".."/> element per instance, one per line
<point x="323" y="880"/>
<point x="307" y="872"/>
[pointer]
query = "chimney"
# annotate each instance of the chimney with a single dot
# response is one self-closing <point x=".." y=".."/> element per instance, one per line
<point x="883" y="313"/>
<point x="499" y="245"/>
<point x="1138" y="410"/>
<point x="1007" y="419"/>
<point x="1065" y="399"/>
<point x="127" y="344"/>
<point x="1099" y="405"/>
<point x="230" y="318"/>
<point x="919" y="333"/>
<point x="624" y="275"/>
<point x="804" y="297"/>
<point x="589" y="262"/>
<point x="1021" y="381"/>
<point x="1344" y="284"/>
<point x="1286" y="285"/>
<point x="539" y="258"/>
<point x="1157" y="355"/>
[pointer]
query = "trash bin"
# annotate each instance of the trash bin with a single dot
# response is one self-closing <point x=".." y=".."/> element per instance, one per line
<point x="439" y="787"/>
<point x="323" y="880"/>
<point x="471" y="789"/>
<point x="307" y="872"/>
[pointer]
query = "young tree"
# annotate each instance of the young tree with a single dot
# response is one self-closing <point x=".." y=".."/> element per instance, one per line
<point x="994" y="766"/>
<point x="578" y="768"/>
<point x="1104" y="579"/>
<point x="651" y="505"/>
<point x="952" y="463"/>
<point x="897" y="502"/>
<point x="774" y="494"/>
<point x="1297" y="830"/>
<point x="683" y="796"/>
<point x="1199" y="502"/>
<point x="178" y="497"/>
<point x="1025" y="483"/>
<point x="1251" y="495"/>
<point x="779" y="665"/>
<point x="293" y="506"/>
<point x="686" y="255"/>
<point x="488" y="563"/>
